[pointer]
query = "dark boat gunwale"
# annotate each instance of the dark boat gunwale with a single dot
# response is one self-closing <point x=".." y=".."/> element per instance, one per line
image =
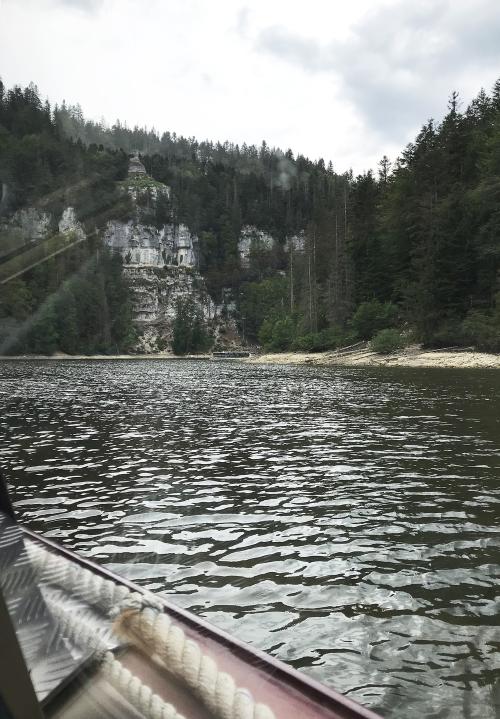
<point x="314" y="690"/>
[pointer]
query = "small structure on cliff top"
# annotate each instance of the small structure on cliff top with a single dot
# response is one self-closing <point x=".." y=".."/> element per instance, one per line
<point x="135" y="166"/>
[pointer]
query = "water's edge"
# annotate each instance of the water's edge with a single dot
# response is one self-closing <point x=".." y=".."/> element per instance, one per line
<point x="410" y="357"/>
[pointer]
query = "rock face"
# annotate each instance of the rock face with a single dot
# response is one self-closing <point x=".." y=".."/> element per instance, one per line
<point x="140" y="240"/>
<point x="296" y="243"/>
<point x="157" y="293"/>
<point x="160" y="261"/>
<point x="252" y="239"/>
<point x="135" y="166"/>
<point x="150" y="246"/>
<point x="30" y="224"/>
<point x="69" y="224"/>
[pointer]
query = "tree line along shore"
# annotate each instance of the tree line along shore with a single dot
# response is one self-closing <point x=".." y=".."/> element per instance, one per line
<point x="409" y="254"/>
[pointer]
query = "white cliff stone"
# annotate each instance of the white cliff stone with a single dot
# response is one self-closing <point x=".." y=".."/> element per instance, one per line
<point x="160" y="263"/>
<point x="156" y="294"/>
<point x="31" y="224"/>
<point x="144" y="244"/>
<point x="252" y="239"/>
<point x="142" y="188"/>
<point x="149" y="246"/>
<point x="138" y="244"/>
<point x="185" y="247"/>
<point x="144" y="191"/>
<point x="68" y="224"/>
<point x="296" y="242"/>
<point x="135" y="166"/>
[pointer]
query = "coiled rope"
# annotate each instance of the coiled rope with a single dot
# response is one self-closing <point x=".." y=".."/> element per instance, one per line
<point x="127" y="684"/>
<point x="142" y="621"/>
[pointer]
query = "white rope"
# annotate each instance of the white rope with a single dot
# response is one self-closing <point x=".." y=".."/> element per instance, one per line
<point x="142" y="620"/>
<point x="105" y="594"/>
<point x="137" y="693"/>
<point x="186" y="662"/>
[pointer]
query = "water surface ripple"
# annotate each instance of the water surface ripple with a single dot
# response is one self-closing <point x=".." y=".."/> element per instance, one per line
<point x="345" y="520"/>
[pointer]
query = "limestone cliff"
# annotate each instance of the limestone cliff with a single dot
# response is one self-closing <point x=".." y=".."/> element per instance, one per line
<point x="252" y="240"/>
<point x="160" y="259"/>
<point x="30" y="227"/>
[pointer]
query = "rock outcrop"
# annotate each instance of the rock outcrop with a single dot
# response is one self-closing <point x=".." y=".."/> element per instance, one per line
<point x="157" y="293"/>
<point x="150" y="246"/>
<point x="29" y="224"/>
<point x="252" y="240"/>
<point x="142" y="240"/>
<point x="135" y="166"/>
<point x="160" y="260"/>
<point x="296" y="243"/>
<point x="68" y="224"/>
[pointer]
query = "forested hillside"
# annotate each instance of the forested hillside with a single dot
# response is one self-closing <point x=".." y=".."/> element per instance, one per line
<point x="76" y="301"/>
<point x="412" y="252"/>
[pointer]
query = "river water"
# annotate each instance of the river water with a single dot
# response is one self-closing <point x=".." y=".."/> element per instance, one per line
<point x="344" y="520"/>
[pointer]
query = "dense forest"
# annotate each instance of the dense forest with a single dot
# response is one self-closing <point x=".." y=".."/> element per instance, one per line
<point x="77" y="301"/>
<point x="411" y="253"/>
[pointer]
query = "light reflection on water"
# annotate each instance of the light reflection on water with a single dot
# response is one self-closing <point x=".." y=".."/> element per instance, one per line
<point x="345" y="520"/>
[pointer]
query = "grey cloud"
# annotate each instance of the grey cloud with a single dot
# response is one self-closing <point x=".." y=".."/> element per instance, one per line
<point x="89" y="6"/>
<point x="242" y="21"/>
<point x="302" y="51"/>
<point x="401" y="62"/>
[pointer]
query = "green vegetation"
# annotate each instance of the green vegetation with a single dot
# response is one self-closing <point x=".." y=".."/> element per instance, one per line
<point x="371" y="317"/>
<point x="141" y="182"/>
<point x="190" y="335"/>
<point x="89" y="312"/>
<point x="387" y="341"/>
<point x="415" y="245"/>
<point x="482" y="329"/>
<point x="74" y="298"/>
<point x="34" y="255"/>
<point x="331" y="338"/>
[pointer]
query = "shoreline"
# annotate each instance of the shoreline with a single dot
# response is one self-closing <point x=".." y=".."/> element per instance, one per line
<point x="413" y="356"/>
<point x="60" y="356"/>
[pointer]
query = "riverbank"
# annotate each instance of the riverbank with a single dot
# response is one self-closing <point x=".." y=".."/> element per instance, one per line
<point x="413" y="356"/>
<point x="62" y="356"/>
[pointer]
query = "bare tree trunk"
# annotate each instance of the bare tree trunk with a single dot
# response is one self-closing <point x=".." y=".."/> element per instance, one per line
<point x="310" y="292"/>
<point x="314" y="274"/>
<point x="347" y="267"/>
<point x="4" y="196"/>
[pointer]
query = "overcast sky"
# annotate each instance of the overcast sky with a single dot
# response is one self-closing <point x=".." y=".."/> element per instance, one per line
<point x="346" y="80"/>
